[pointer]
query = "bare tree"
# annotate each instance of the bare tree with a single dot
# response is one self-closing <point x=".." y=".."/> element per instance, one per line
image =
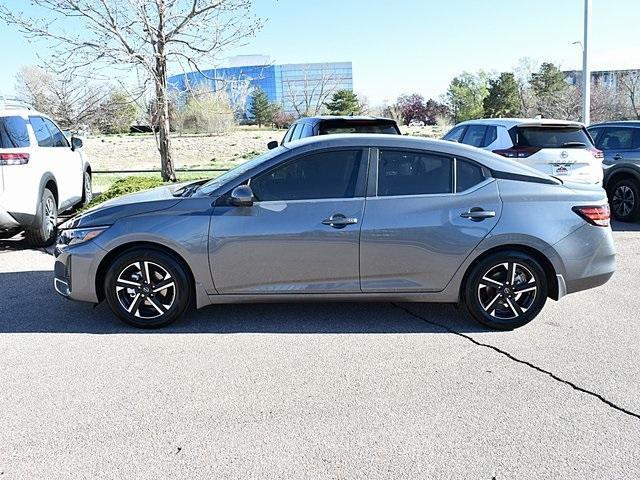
<point x="630" y="85"/>
<point x="307" y="95"/>
<point x="70" y="100"/>
<point x="146" y="35"/>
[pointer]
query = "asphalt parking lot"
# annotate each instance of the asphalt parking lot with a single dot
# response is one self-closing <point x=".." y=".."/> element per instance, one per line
<point x="318" y="390"/>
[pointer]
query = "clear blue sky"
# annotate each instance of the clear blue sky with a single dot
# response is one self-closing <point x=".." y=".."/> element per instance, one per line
<point x="406" y="46"/>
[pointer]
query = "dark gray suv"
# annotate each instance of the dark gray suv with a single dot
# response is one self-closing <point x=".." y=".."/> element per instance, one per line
<point x="620" y="142"/>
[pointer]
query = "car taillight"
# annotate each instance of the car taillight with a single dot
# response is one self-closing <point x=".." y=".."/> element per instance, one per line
<point x="14" y="158"/>
<point x="517" y="152"/>
<point x="597" y="153"/>
<point x="596" y="215"/>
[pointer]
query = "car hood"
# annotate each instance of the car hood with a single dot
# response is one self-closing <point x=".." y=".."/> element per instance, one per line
<point x="107" y="213"/>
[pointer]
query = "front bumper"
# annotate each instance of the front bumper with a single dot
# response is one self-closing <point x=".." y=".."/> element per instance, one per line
<point x="75" y="271"/>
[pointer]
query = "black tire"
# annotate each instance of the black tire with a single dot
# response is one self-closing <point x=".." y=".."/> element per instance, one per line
<point x="122" y="294"/>
<point x="501" y="307"/>
<point x="87" y="188"/>
<point x="44" y="232"/>
<point x="624" y="198"/>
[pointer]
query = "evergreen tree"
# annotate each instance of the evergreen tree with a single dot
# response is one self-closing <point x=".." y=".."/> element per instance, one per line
<point x="262" y="110"/>
<point x="343" y="102"/>
<point x="503" y="99"/>
<point x="551" y="91"/>
<point x="466" y="94"/>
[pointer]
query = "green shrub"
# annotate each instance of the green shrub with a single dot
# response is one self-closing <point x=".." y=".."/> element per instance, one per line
<point x="124" y="186"/>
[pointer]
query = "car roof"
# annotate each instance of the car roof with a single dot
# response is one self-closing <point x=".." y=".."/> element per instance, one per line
<point x="617" y="123"/>
<point x="345" y="118"/>
<point x="488" y="159"/>
<point x="512" y="122"/>
<point x="18" y="112"/>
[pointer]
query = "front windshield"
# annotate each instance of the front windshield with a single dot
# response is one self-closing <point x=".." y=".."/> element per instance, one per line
<point x="234" y="173"/>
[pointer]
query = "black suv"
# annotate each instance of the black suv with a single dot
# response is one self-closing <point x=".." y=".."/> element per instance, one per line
<point x="327" y="125"/>
<point x="620" y="142"/>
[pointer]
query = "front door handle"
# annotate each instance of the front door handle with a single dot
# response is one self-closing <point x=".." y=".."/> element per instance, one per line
<point x="339" y="221"/>
<point x="478" y="214"/>
<point x="617" y="156"/>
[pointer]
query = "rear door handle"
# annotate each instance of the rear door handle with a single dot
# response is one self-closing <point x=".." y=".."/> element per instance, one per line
<point x="478" y="214"/>
<point x="339" y="221"/>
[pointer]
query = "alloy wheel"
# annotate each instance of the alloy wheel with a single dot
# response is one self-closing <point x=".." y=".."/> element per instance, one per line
<point x="145" y="289"/>
<point x="507" y="290"/>
<point x="88" y="191"/>
<point x="623" y="200"/>
<point x="50" y="216"/>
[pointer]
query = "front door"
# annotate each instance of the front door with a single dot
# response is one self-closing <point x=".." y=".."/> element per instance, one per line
<point x="429" y="212"/>
<point x="302" y="233"/>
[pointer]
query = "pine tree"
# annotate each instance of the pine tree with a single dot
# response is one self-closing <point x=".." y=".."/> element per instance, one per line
<point x="502" y="100"/>
<point x="344" y="102"/>
<point x="262" y="110"/>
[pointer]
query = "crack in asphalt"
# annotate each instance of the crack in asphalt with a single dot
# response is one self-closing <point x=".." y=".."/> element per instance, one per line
<point x="504" y="353"/>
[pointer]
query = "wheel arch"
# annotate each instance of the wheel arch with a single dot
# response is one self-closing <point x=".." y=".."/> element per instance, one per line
<point x="545" y="263"/>
<point x="103" y="266"/>
<point x="619" y="174"/>
<point x="49" y="181"/>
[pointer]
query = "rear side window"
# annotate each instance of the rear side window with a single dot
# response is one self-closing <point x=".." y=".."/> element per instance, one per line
<point x="413" y="173"/>
<point x="13" y="132"/>
<point x="474" y="135"/>
<point x="552" y="137"/>
<point x="307" y="131"/>
<point x="468" y="175"/>
<point x="43" y="136"/>
<point x="332" y="174"/>
<point x="59" y="140"/>
<point x="618" y="138"/>
<point x="455" y="134"/>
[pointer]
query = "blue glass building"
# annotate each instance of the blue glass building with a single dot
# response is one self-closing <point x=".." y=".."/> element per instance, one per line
<point x="295" y="87"/>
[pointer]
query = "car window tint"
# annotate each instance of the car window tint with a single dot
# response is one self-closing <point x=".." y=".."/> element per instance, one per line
<point x="455" y="134"/>
<point x="596" y="135"/>
<point x="617" y="138"/>
<point x="354" y="126"/>
<point x="636" y="138"/>
<point x="59" y="140"/>
<point x="468" y="174"/>
<point x="13" y="132"/>
<point x="552" y="136"/>
<point x="320" y="175"/>
<point x="307" y="131"/>
<point x="474" y="135"/>
<point x="413" y="173"/>
<point x="295" y="135"/>
<point x="490" y="136"/>
<point x="287" y="136"/>
<point x="43" y="136"/>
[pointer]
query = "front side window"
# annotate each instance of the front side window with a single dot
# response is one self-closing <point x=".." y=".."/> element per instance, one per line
<point x="13" y="132"/>
<point x="59" y="140"/>
<point x="43" y="136"/>
<point x="468" y="174"/>
<point x="413" y="173"/>
<point x="616" y="139"/>
<point x="456" y="134"/>
<point x="307" y="131"/>
<point x="332" y="174"/>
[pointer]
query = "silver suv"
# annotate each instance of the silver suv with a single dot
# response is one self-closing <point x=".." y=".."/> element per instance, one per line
<point x="620" y="142"/>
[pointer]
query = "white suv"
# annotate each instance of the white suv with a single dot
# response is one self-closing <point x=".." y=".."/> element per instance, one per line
<point x="556" y="147"/>
<point x="41" y="173"/>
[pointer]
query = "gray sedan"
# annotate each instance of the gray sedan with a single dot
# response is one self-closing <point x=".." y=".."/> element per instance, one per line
<point x="345" y="217"/>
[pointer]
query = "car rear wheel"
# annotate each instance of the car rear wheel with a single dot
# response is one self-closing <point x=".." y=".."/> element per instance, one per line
<point x="624" y="198"/>
<point x="87" y="189"/>
<point x="44" y="232"/>
<point x="147" y="288"/>
<point x="506" y="290"/>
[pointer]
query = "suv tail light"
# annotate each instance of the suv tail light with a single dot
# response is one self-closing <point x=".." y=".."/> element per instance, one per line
<point x="595" y="215"/>
<point x="597" y="153"/>
<point x="14" y="158"/>
<point x="517" y="152"/>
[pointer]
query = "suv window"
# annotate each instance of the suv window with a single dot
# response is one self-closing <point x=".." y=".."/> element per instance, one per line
<point x="550" y="136"/>
<point x="413" y="173"/>
<point x="43" y="136"/>
<point x="331" y="174"/>
<point x="357" y="126"/>
<point x="468" y="175"/>
<point x="59" y="140"/>
<point x="475" y="135"/>
<point x="307" y="131"/>
<point x="287" y="136"/>
<point x="616" y="138"/>
<point x="13" y="132"/>
<point x="455" y="134"/>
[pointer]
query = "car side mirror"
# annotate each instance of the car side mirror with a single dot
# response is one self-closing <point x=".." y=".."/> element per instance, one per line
<point x="76" y="143"/>
<point x="242" y="196"/>
<point x="272" y="144"/>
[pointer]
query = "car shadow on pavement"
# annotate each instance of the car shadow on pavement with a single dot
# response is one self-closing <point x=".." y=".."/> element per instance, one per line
<point x="28" y="304"/>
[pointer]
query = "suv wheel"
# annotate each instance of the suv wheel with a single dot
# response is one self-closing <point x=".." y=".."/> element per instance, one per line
<point x="147" y="288"/>
<point x="44" y="233"/>
<point x="624" y="198"/>
<point x="87" y="189"/>
<point x="506" y="290"/>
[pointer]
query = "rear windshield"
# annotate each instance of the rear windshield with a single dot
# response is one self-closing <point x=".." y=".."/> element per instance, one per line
<point x="330" y="128"/>
<point x="13" y="132"/>
<point x="553" y="137"/>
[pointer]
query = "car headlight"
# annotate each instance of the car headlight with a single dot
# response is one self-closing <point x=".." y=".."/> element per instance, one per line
<point x="75" y="236"/>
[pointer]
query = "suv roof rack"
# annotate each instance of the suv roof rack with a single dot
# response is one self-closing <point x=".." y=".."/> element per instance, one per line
<point x="13" y="102"/>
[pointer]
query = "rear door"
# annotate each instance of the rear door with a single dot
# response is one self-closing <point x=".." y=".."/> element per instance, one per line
<point x="71" y="167"/>
<point x="427" y="214"/>
<point x="619" y="144"/>
<point x="560" y="150"/>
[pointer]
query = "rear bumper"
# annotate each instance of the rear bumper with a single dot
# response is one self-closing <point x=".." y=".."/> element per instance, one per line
<point x="7" y="222"/>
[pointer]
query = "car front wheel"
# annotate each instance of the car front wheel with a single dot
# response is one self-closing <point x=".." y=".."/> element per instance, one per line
<point x="506" y="290"/>
<point x="624" y="198"/>
<point x="147" y="288"/>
